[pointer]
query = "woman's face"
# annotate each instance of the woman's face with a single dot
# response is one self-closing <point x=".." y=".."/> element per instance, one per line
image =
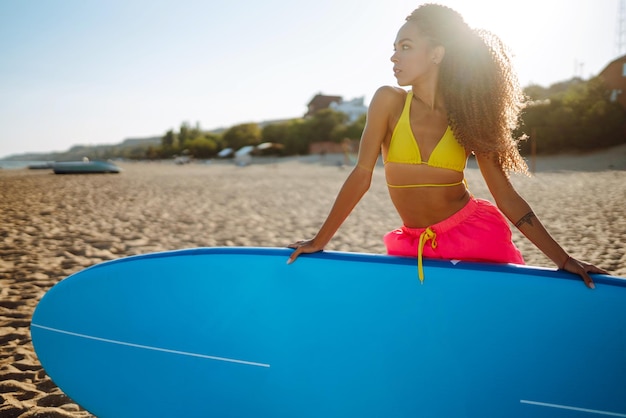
<point x="413" y="58"/>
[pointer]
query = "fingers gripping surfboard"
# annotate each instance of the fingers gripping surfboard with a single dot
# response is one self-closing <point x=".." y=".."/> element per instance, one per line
<point x="236" y="332"/>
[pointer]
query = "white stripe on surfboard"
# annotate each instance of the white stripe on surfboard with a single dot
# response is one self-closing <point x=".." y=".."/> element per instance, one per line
<point x="147" y="347"/>
<point x="573" y="408"/>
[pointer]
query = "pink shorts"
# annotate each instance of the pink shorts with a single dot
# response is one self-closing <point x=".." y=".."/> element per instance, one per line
<point x="478" y="232"/>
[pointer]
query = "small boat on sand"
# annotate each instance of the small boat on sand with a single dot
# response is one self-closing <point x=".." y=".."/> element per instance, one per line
<point x="85" y="167"/>
<point x="40" y="166"/>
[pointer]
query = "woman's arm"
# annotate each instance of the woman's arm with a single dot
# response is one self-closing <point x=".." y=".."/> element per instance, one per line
<point x="359" y="180"/>
<point x="518" y="211"/>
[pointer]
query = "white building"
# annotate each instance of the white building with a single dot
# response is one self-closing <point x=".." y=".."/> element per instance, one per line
<point x="353" y="108"/>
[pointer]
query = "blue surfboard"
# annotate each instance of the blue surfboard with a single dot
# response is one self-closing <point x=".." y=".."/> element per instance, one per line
<point x="236" y="332"/>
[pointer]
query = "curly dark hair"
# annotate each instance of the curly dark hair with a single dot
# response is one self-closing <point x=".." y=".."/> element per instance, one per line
<point x="480" y="90"/>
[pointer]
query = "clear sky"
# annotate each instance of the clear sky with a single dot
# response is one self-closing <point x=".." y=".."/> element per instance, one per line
<point x="98" y="72"/>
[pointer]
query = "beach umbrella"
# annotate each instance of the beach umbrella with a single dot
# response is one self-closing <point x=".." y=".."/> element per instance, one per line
<point x="268" y="145"/>
<point x="244" y="150"/>
<point x="267" y="148"/>
<point x="225" y="152"/>
<point x="265" y="145"/>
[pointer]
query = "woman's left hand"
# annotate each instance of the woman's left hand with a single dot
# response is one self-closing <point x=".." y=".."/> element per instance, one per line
<point x="582" y="269"/>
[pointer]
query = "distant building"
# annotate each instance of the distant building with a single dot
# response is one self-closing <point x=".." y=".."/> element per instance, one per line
<point x="614" y="76"/>
<point x="320" y="102"/>
<point x="353" y="108"/>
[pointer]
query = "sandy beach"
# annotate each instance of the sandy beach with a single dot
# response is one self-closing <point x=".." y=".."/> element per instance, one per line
<point x="52" y="226"/>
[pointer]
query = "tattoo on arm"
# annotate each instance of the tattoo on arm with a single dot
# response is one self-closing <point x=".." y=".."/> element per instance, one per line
<point x="526" y="219"/>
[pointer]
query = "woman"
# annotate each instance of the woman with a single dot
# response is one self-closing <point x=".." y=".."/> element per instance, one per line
<point x="464" y="99"/>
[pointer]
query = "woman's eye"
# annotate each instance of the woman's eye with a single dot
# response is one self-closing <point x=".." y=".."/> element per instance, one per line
<point x="401" y="48"/>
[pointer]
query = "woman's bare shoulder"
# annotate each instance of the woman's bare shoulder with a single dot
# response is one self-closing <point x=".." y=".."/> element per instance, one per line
<point x="390" y="93"/>
<point x="388" y="99"/>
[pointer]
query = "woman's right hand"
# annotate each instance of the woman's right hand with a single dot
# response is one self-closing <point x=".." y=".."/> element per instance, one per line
<point x="303" y="247"/>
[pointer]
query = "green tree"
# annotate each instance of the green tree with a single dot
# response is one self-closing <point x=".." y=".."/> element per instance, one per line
<point x="167" y="143"/>
<point x="275" y="132"/>
<point x="204" y="146"/>
<point x="298" y="139"/>
<point x="184" y="135"/>
<point x="555" y="91"/>
<point x="152" y="153"/>
<point x="187" y="134"/>
<point x="325" y="125"/>
<point x="577" y="116"/>
<point x="242" y="135"/>
<point x="355" y="129"/>
<point x="201" y="147"/>
<point x="296" y="135"/>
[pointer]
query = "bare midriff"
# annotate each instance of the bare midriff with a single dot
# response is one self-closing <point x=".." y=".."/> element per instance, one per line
<point x="426" y="195"/>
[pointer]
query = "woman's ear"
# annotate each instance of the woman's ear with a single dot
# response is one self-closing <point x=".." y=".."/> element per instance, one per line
<point x="438" y="53"/>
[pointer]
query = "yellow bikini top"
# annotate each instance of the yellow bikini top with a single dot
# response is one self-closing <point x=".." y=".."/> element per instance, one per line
<point x="403" y="147"/>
